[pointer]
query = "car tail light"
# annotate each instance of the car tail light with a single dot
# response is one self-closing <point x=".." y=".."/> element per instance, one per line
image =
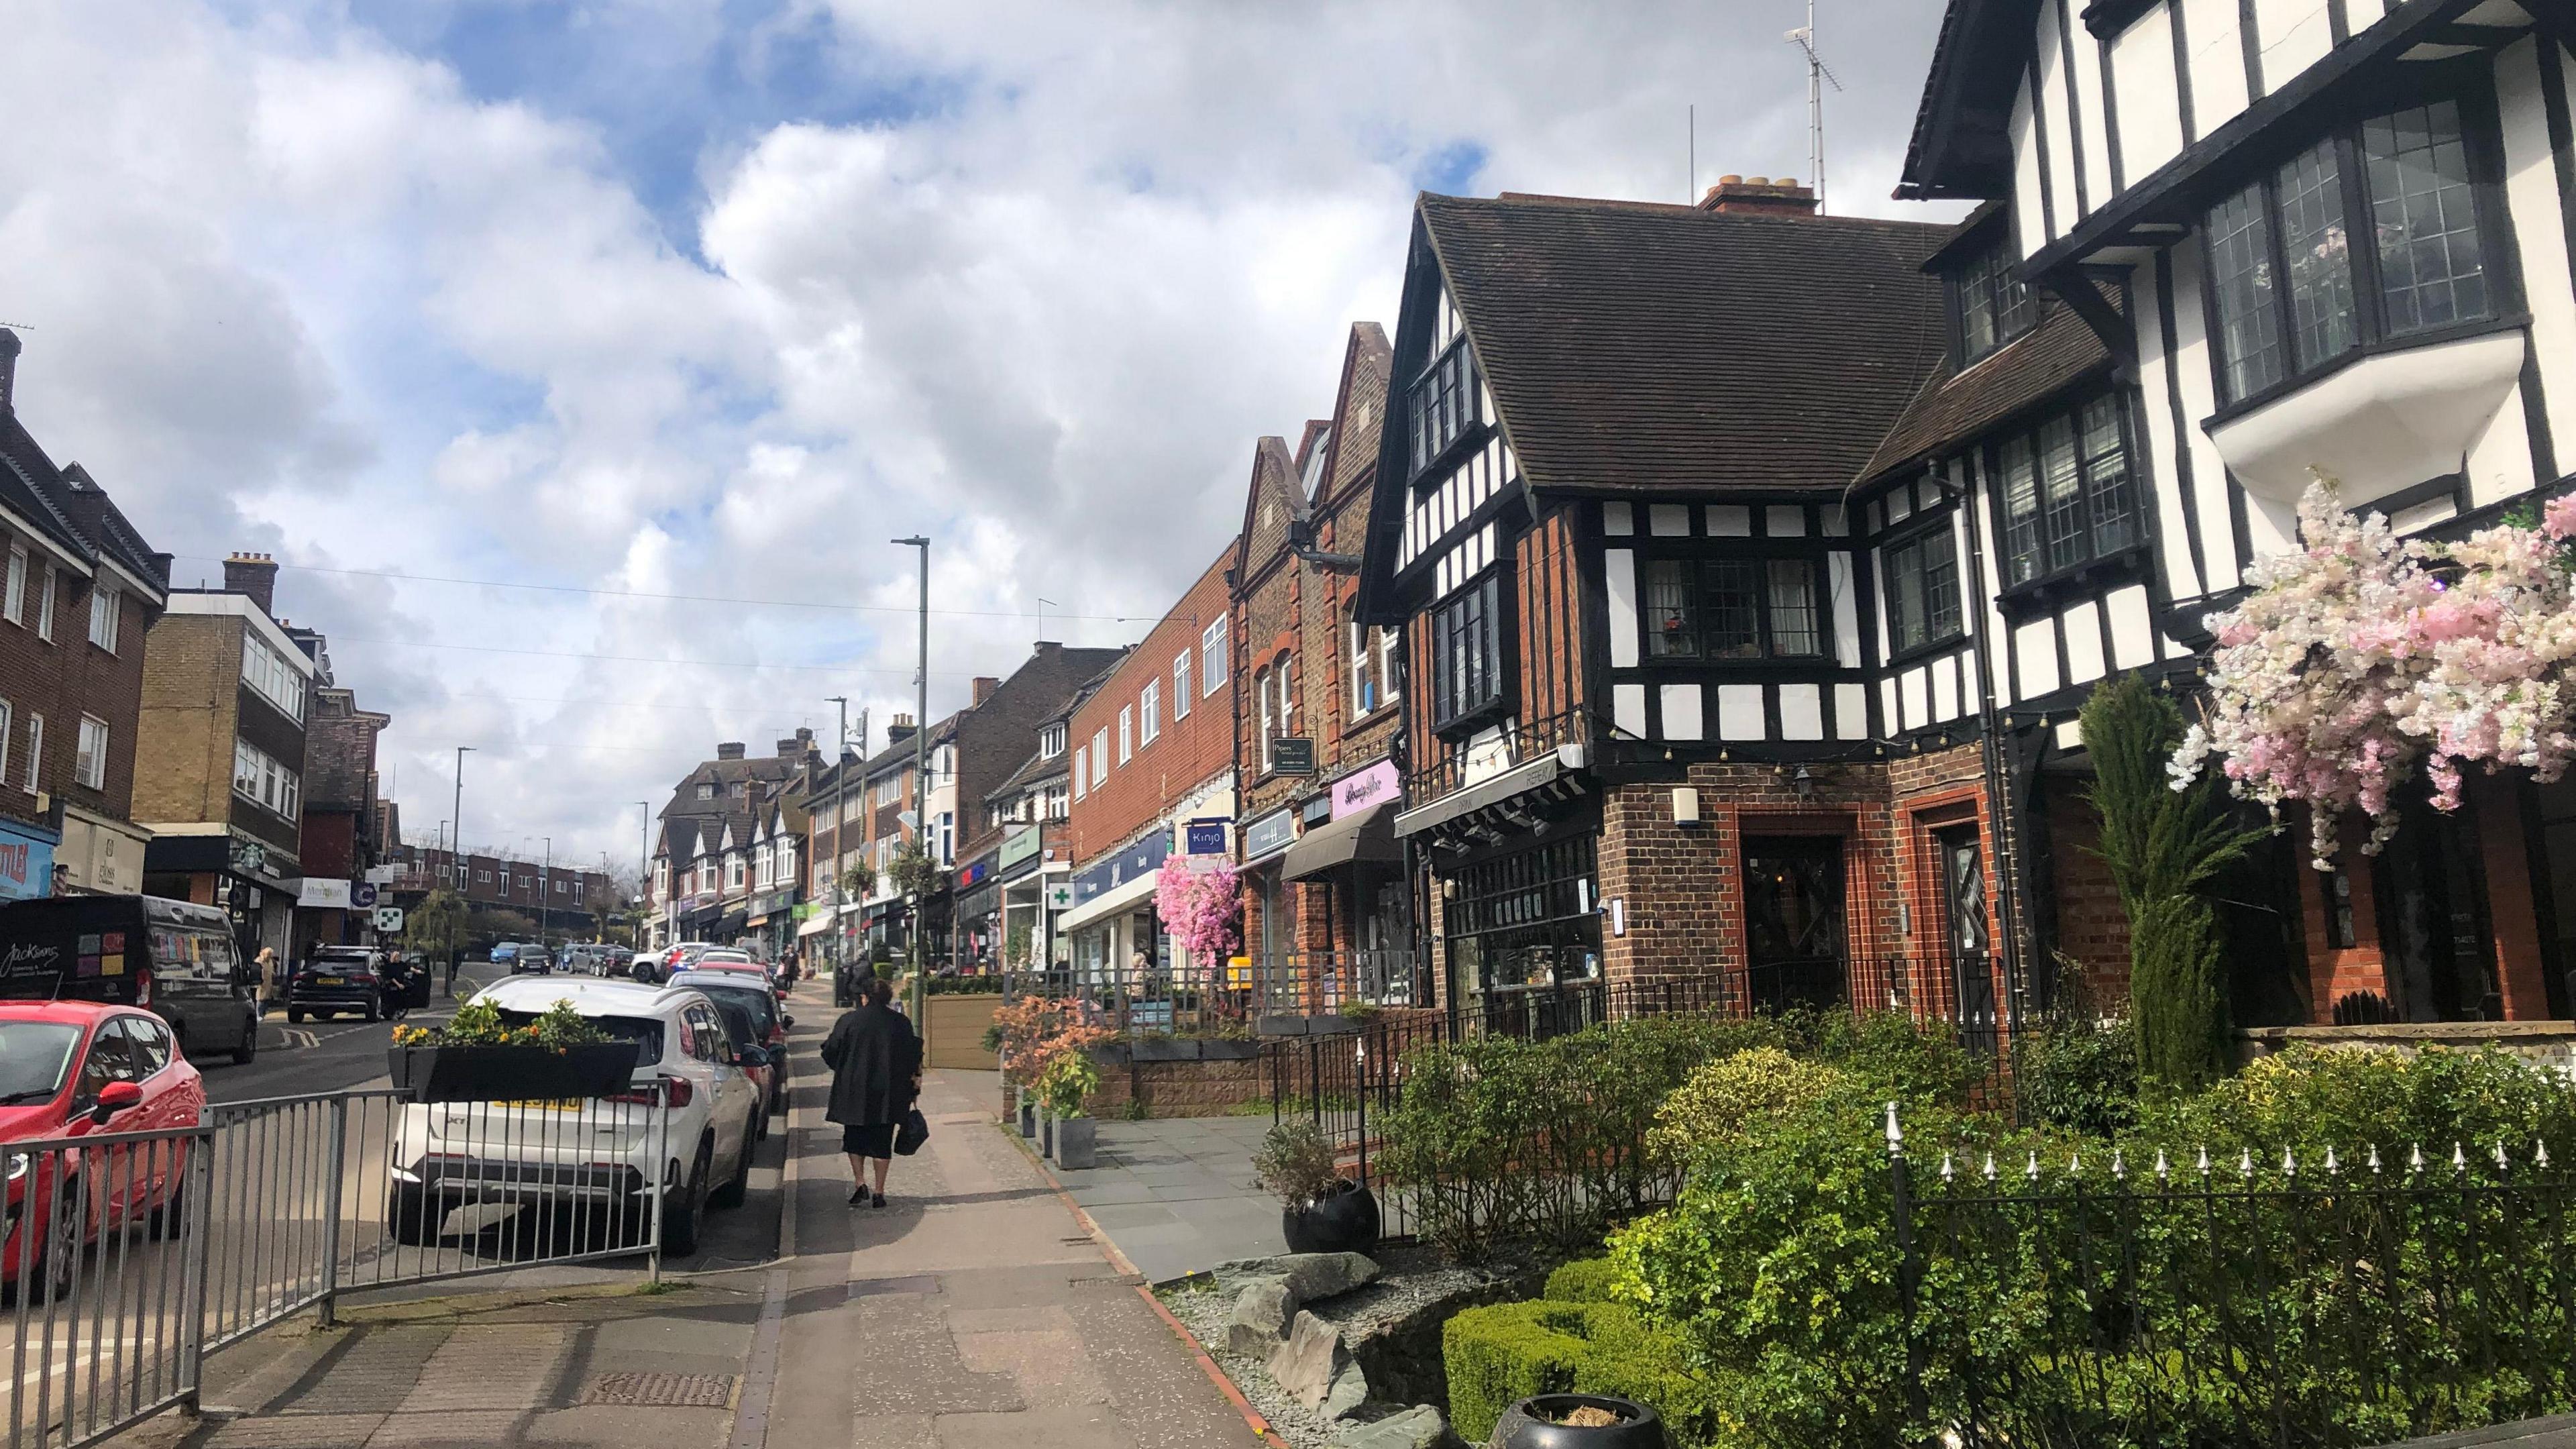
<point x="675" y="1090"/>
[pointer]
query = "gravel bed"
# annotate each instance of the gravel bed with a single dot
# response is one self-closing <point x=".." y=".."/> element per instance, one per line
<point x="1411" y="1279"/>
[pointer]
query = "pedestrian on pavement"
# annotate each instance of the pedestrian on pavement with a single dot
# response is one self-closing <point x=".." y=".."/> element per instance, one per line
<point x="875" y="1058"/>
<point x="266" y="964"/>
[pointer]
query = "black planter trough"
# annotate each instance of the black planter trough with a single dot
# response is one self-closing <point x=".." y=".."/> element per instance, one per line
<point x="1342" y="1221"/>
<point x="1539" y="1423"/>
<point x="511" y="1074"/>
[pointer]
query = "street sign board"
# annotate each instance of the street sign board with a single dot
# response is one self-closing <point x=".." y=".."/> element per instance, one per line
<point x="1294" y="755"/>
<point x="389" y="919"/>
<point x="362" y="893"/>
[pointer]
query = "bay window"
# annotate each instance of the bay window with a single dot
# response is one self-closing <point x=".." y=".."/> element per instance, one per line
<point x="2369" y="235"/>
<point x="1445" y="403"/>
<point x="2065" y="492"/>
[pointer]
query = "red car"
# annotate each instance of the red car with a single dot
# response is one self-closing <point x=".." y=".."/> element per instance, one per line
<point x="70" y="1070"/>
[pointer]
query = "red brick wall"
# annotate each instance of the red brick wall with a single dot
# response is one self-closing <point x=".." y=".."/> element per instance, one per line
<point x="1188" y="753"/>
<point x="2092" y="927"/>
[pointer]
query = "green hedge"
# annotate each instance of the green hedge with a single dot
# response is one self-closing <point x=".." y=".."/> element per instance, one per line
<point x="1499" y="1355"/>
<point x="1585" y="1280"/>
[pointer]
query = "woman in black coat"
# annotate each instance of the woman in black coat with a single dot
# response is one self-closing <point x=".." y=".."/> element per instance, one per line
<point x="875" y="1058"/>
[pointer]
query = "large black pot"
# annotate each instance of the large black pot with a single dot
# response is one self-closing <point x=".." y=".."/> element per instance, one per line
<point x="511" y="1074"/>
<point x="1342" y="1221"/>
<point x="1531" y="1424"/>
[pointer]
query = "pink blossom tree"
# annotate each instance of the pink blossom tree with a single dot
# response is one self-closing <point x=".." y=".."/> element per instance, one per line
<point x="1203" y="909"/>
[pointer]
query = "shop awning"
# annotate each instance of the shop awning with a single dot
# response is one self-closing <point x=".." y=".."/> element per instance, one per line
<point x="815" y="925"/>
<point x="1107" y="903"/>
<point x="1367" y="837"/>
<point x="733" y="921"/>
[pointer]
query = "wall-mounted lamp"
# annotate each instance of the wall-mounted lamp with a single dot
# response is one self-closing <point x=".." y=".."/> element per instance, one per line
<point x="1448" y="890"/>
<point x="1803" y="784"/>
<point x="1685" y="806"/>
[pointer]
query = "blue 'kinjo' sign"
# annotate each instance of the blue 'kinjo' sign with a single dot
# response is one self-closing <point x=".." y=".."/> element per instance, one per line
<point x="1207" y="837"/>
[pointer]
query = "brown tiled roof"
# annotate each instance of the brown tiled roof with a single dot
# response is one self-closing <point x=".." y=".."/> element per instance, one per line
<point x="1953" y="407"/>
<point x="1634" y="346"/>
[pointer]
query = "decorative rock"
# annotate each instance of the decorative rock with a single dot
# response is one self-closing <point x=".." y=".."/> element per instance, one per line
<point x="1314" y="1277"/>
<point x="1349" y="1390"/>
<point x="1417" y="1428"/>
<point x="1260" y="1318"/>
<point x="1305" y="1364"/>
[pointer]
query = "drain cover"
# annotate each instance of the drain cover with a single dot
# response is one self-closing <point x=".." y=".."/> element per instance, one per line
<point x="662" y="1391"/>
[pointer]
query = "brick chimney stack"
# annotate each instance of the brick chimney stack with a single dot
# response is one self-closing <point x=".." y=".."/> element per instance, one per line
<point x="899" y="730"/>
<point x="254" y="575"/>
<point x="1759" y="196"/>
<point x="9" y="346"/>
<point x="985" y="684"/>
<point x="730" y="750"/>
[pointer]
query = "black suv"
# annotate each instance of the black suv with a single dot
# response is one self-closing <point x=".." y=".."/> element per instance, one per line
<point x="335" y="979"/>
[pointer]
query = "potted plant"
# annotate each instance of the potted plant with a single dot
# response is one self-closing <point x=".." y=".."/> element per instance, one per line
<point x="1579" y="1421"/>
<point x="1068" y="1083"/>
<point x="478" y="1056"/>
<point x="1321" y="1210"/>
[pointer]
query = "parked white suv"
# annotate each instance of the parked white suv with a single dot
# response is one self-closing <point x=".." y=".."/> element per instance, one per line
<point x="448" y="1155"/>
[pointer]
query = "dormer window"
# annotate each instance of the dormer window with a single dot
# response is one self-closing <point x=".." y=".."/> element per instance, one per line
<point x="706" y="790"/>
<point x="1987" y="306"/>
<point x="1444" y="402"/>
<point x="1051" y="741"/>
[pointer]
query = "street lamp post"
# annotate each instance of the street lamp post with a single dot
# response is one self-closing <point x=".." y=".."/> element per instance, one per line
<point x="643" y="865"/>
<point x="920" y="764"/>
<point x="456" y="855"/>
<point x="545" y="887"/>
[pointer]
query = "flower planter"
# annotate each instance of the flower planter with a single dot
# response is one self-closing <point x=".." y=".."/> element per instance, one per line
<point x="1224" y="1049"/>
<point x="511" y="1074"/>
<point x="1077" y="1140"/>
<point x="1344" y="1221"/>
<point x="1046" y="1134"/>
<point x="1163" y="1049"/>
<point x="1532" y="1424"/>
<point x="1028" y="1117"/>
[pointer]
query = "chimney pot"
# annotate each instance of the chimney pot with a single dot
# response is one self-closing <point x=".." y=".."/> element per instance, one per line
<point x="1757" y="180"/>
<point x="1759" y="195"/>
<point x="1729" y="179"/>
<point x="253" y="575"/>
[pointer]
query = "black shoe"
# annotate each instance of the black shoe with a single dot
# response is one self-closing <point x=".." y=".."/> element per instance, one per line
<point x="880" y="1200"/>
<point x="859" y="1197"/>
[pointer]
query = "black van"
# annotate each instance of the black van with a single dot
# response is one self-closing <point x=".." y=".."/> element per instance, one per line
<point x="175" y="958"/>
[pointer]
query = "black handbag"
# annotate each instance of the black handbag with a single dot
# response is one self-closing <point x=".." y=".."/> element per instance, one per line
<point x="910" y="1133"/>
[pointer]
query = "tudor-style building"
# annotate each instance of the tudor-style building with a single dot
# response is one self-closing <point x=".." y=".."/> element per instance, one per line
<point x="2306" y="239"/>
<point x="1648" y="721"/>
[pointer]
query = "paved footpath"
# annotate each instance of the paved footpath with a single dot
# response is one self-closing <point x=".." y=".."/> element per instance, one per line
<point x="973" y="1311"/>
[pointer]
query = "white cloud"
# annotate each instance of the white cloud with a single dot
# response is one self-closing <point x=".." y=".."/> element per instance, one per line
<point x="1030" y="277"/>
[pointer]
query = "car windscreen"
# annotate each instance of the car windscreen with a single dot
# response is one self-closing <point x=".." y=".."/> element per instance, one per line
<point x="34" y="1055"/>
<point x="644" y="1031"/>
<point x="728" y="996"/>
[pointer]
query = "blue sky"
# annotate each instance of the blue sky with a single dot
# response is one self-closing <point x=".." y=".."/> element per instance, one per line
<point x="710" y="297"/>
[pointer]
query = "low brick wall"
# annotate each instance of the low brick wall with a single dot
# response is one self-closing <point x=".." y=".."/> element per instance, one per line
<point x="1179" y="1089"/>
<point x="2549" y="1043"/>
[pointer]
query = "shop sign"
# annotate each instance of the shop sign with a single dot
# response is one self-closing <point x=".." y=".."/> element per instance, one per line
<point x="1019" y="846"/>
<point x="1207" y="837"/>
<point x="26" y="862"/>
<point x="320" y="894"/>
<point x="974" y="874"/>
<point x="1294" y="756"/>
<point x="1372" y="786"/>
<point x="362" y="894"/>
<point x="1269" y="835"/>
<point x="1060" y="897"/>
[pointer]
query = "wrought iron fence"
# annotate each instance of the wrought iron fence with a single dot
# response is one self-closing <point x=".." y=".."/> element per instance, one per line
<point x="1462" y="765"/>
<point x="126" y="1257"/>
<point x="2342" y="1299"/>
<point x="1329" y="983"/>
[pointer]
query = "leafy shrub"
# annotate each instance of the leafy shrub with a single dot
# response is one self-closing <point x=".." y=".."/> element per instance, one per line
<point x="1069" y="1081"/>
<point x="1504" y="1353"/>
<point x="1585" y="1280"/>
<point x="1725" y="1099"/>
<point x="1296" y="1162"/>
<point x="990" y="985"/>
<point x="2309" y="1098"/>
<point x="1887" y="1052"/>
<point x="2078" y="1074"/>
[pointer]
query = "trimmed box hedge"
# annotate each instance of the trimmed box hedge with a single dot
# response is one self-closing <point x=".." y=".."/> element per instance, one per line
<point x="1499" y="1355"/>
<point x="1585" y="1280"/>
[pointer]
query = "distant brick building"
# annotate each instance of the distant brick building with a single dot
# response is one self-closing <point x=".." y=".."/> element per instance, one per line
<point x="340" y="805"/>
<point x="1153" y="773"/>
<point x="80" y="592"/>
<point x="996" y="737"/>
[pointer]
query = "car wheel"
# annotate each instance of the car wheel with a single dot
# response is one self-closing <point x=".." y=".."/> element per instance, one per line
<point x="375" y="1011"/>
<point x="295" y="1016"/>
<point x="731" y="1195"/>
<point x="410" y="1217"/>
<point x="172" y="1212"/>
<point x="247" y="1050"/>
<point x="680" y="1217"/>
<point x="59" y="1261"/>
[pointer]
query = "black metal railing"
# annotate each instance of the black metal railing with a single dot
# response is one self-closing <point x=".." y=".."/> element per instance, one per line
<point x="1331" y="983"/>
<point x="1522" y="742"/>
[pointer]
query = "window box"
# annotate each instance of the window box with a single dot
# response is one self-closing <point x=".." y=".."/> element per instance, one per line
<point x="513" y="1073"/>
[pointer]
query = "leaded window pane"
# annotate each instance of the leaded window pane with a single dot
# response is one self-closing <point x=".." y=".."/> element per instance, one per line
<point x="1905" y="595"/>
<point x="1793" y="608"/>
<point x="2424" y="215"/>
<point x="2107" y="480"/>
<point x="2061" y="494"/>
<point x="1734" y="625"/>
<point x="2015" y="462"/>
<point x="1671" y="632"/>
<point x="2320" y="256"/>
<point x="2249" y="330"/>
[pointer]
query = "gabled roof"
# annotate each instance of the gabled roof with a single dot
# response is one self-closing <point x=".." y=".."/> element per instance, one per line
<point x="1035" y="770"/>
<point x="1634" y="347"/>
<point x="901" y="752"/>
<point x="1272" y="504"/>
<point x="1954" y="407"/>
<point x="1359" y="408"/>
<point x="1962" y="142"/>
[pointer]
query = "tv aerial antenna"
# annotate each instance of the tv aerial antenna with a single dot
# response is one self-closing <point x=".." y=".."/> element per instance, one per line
<point x="1819" y="75"/>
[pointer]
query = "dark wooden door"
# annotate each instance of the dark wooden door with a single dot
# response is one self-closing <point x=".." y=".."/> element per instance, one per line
<point x="1969" y="937"/>
<point x="1796" y="950"/>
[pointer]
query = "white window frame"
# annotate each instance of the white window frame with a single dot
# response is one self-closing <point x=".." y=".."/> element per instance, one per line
<point x="1261" y="700"/>
<point x="90" y="767"/>
<point x="8" y="713"/>
<point x="1126" y="733"/>
<point x="1099" y="757"/>
<point x="45" y="608"/>
<point x="1051" y="741"/>
<point x="35" y="752"/>
<point x="1212" y="660"/>
<point x="1149" y="711"/>
<point x="14" y="607"/>
<point x="103" y="612"/>
<point x="1180" y="686"/>
<point x="1361" y="703"/>
<point x="1387" y="690"/>
<point x="1081" y="773"/>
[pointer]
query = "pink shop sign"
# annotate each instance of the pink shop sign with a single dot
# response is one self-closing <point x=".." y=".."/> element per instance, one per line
<point x="1374" y="785"/>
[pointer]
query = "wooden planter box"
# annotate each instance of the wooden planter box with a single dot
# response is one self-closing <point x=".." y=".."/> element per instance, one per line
<point x="511" y="1074"/>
